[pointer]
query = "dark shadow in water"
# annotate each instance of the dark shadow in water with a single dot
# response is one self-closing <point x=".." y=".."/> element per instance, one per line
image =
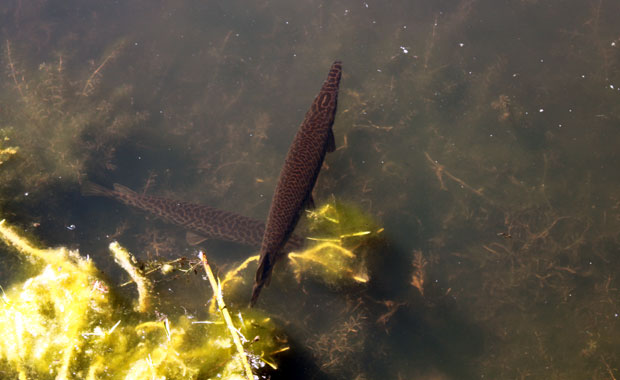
<point x="425" y="334"/>
<point x="298" y="363"/>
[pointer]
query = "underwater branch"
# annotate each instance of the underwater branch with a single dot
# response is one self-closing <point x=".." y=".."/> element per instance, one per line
<point x="217" y="290"/>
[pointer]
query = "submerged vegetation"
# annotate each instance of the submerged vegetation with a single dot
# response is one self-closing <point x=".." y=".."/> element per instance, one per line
<point x="484" y="140"/>
<point x="65" y="323"/>
<point x="63" y="126"/>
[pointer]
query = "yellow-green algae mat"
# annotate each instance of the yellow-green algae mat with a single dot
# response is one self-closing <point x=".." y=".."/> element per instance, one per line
<point x="62" y="323"/>
<point x="335" y="253"/>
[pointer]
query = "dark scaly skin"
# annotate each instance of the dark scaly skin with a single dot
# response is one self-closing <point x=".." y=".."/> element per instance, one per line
<point x="203" y="220"/>
<point x="298" y="176"/>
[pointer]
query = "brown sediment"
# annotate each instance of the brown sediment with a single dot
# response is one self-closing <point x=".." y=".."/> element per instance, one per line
<point x="205" y="221"/>
<point x="298" y="176"/>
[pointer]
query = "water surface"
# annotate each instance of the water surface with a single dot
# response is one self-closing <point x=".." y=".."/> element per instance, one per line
<point x="482" y="135"/>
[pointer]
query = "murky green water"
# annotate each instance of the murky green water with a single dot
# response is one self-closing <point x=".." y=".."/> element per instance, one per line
<point x="482" y="135"/>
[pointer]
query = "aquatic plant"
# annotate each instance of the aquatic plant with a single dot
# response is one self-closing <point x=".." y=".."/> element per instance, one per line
<point x="64" y="322"/>
<point x="63" y="125"/>
<point x="335" y="254"/>
<point x="339" y="235"/>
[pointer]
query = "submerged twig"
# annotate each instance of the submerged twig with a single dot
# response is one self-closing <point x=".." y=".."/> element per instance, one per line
<point x="217" y="290"/>
<point x="126" y="261"/>
<point x="429" y="48"/>
<point x="440" y="170"/>
<point x="12" y="68"/>
<point x="609" y="370"/>
<point x="89" y="85"/>
<point x="418" y="276"/>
